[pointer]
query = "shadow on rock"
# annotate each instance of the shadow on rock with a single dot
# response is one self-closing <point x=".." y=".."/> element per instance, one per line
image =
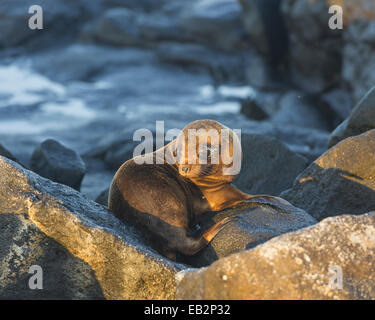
<point x="341" y="181"/>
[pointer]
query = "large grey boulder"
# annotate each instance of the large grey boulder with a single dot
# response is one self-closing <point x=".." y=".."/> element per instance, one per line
<point x="214" y="23"/>
<point x="57" y="15"/>
<point x="25" y="247"/>
<point x="118" y="27"/>
<point x="358" y="70"/>
<point x="315" y="49"/>
<point x="330" y="260"/>
<point x="361" y="119"/>
<point x="222" y="65"/>
<point x="340" y="181"/>
<point x="84" y="62"/>
<point x="54" y="161"/>
<point x="255" y="223"/>
<point x="264" y="24"/>
<point x="268" y="165"/>
<point x="84" y="251"/>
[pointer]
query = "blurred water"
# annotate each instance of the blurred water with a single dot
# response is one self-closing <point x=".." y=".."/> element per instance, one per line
<point x="77" y="113"/>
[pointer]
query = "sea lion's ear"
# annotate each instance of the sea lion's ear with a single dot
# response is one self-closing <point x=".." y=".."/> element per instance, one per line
<point x="175" y="152"/>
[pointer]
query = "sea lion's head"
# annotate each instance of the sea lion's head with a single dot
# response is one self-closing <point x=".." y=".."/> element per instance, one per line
<point x="208" y="151"/>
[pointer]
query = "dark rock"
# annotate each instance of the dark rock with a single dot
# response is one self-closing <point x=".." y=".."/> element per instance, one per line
<point x="358" y="70"/>
<point x="5" y="153"/>
<point x="103" y="197"/>
<point x="254" y="25"/>
<point x="215" y="23"/>
<point x="340" y="181"/>
<point x="98" y="176"/>
<point x="251" y="109"/>
<point x="255" y="224"/>
<point x="118" y="27"/>
<point x="24" y="245"/>
<point x="54" y="161"/>
<point x="265" y="25"/>
<point x="114" y="152"/>
<point x="159" y="27"/>
<point x="222" y="65"/>
<point x="360" y="120"/>
<point x="94" y="249"/>
<point x="268" y="166"/>
<point x="59" y="18"/>
<point x="310" y="143"/>
<point x="144" y="5"/>
<point x="83" y="62"/>
<point x="305" y="264"/>
<point x="315" y="50"/>
<point x="339" y="101"/>
<point x="262" y="75"/>
<point x="302" y="110"/>
<point x="126" y="27"/>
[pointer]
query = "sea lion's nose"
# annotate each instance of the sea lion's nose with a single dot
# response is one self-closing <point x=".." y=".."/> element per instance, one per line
<point x="185" y="169"/>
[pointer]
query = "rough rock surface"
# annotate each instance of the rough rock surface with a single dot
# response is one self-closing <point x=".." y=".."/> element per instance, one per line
<point x="23" y="245"/>
<point x="268" y="166"/>
<point x="92" y="245"/>
<point x="360" y="120"/>
<point x="341" y="181"/>
<point x="54" y="161"/>
<point x="306" y="264"/>
<point x="255" y="223"/>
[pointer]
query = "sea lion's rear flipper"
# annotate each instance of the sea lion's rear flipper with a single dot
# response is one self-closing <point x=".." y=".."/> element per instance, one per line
<point x="191" y="246"/>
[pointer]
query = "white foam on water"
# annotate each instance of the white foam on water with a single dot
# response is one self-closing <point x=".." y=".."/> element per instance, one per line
<point x="103" y="85"/>
<point x="72" y="108"/>
<point x="237" y="92"/>
<point x="22" y="86"/>
<point x="219" y="108"/>
<point x="19" y="127"/>
<point x="241" y="92"/>
<point x="207" y="91"/>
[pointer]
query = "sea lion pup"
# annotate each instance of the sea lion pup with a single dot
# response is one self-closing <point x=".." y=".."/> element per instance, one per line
<point x="189" y="177"/>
